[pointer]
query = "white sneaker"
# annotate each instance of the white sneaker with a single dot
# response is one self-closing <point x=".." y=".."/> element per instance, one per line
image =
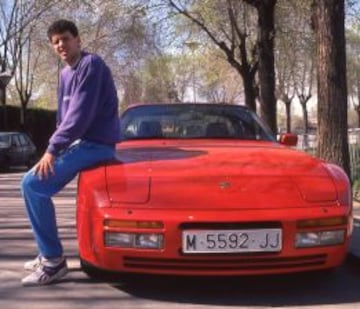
<point x="33" y="264"/>
<point x="47" y="272"/>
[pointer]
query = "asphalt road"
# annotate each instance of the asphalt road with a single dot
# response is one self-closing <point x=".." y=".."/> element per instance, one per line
<point x="340" y="289"/>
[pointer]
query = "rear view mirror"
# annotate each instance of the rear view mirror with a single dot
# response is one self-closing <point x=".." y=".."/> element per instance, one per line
<point x="288" y="139"/>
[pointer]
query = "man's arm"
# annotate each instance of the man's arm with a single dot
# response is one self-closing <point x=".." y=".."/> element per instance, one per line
<point x="80" y="114"/>
<point x="82" y="107"/>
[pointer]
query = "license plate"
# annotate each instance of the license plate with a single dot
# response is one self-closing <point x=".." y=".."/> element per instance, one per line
<point x="232" y="241"/>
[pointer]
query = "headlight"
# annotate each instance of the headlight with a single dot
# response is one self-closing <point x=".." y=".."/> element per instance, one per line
<point x="123" y="240"/>
<point x="319" y="238"/>
<point x="150" y="241"/>
<point x="134" y="240"/>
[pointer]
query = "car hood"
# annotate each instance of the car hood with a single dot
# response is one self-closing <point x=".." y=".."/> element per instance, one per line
<point x="237" y="175"/>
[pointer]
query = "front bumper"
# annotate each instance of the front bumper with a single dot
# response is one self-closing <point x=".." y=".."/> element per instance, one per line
<point x="171" y="259"/>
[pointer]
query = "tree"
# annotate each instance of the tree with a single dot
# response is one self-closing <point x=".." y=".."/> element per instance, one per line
<point x="284" y="64"/>
<point x="220" y="81"/>
<point x="353" y="65"/>
<point x="266" y="35"/>
<point x="22" y="56"/>
<point x="227" y="25"/>
<point x="328" y="21"/>
<point x="6" y="24"/>
<point x="158" y="81"/>
<point x="296" y="44"/>
<point x="125" y="43"/>
<point x="227" y="28"/>
<point x="16" y="18"/>
<point x="132" y="90"/>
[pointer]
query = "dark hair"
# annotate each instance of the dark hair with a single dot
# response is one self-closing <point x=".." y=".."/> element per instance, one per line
<point x="62" y="25"/>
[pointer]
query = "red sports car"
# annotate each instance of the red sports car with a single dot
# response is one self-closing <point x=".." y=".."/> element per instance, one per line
<point x="205" y="189"/>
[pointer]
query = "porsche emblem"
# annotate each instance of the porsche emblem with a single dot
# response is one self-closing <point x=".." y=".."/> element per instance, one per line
<point x="224" y="184"/>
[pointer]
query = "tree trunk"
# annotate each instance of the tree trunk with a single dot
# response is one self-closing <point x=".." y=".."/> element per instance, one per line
<point x="23" y="116"/>
<point x="357" y="109"/>
<point x="332" y="88"/>
<point x="3" y="123"/>
<point x="303" y="99"/>
<point x="266" y="62"/>
<point x="247" y="73"/>
<point x="305" y="117"/>
<point x="288" y="115"/>
<point x="250" y="94"/>
<point x="306" y="123"/>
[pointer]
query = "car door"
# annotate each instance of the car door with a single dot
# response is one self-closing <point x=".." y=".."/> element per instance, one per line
<point x="15" y="152"/>
<point x="28" y="149"/>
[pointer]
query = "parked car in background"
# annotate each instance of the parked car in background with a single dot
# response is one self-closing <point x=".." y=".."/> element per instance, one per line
<point x="16" y="149"/>
<point x="206" y="189"/>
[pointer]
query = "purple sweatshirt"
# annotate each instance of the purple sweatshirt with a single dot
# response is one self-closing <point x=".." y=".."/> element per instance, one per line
<point x="87" y="105"/>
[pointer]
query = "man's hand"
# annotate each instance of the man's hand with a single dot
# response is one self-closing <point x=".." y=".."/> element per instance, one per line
<point x="45" y="166"/>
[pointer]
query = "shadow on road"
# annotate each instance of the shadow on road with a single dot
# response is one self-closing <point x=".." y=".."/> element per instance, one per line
<point x="317" y="288"/>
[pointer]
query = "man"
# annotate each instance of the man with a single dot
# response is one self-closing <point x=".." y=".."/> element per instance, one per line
<point x="86" y="133"/>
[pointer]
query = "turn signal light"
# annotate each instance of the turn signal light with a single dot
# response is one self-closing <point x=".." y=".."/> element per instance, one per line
<point x="133" y="224"/>
<point x="332" y="221"/>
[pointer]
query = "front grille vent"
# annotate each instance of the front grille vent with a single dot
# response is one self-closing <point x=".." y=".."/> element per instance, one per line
<point x="225" y="264"/>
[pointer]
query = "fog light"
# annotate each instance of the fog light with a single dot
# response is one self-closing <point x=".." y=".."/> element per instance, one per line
<point x="319" y="238"/>
<point x="134" y="240"/>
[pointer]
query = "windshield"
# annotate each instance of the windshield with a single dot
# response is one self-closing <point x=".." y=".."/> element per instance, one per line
<point x="192" y="121"/>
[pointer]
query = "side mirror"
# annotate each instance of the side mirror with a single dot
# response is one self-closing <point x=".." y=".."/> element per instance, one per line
<point x="288" y="139"/>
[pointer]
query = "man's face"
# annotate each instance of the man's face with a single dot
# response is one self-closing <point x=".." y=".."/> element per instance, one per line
<point x="66" y="46"/>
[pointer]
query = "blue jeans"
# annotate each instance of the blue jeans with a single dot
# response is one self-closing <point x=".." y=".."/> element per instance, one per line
<point x="37" y="192"/>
